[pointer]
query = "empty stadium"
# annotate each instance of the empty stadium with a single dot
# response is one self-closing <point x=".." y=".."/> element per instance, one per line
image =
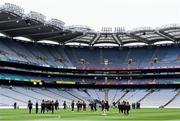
<point x="81" y="64"/>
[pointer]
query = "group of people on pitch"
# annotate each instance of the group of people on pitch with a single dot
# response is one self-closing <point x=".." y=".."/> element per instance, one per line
<point x="81" y="105"/>
<point x="124" y="107"/>
<point x="48" y="105"/>
<point x="104" y="107"/>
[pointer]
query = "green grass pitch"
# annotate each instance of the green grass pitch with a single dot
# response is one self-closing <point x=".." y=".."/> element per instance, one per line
<point x="112" y="115"/>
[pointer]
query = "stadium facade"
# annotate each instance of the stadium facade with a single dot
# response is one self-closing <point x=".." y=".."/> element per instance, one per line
<point x="86" y="71"/>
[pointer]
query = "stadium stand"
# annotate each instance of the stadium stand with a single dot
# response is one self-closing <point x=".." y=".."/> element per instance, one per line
<point x="9" y="95"/>
<point x="85" y="57"/>
<point x="31" y="63"/>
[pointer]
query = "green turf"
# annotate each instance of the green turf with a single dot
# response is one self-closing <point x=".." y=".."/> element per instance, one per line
<point x="135" y="115"/>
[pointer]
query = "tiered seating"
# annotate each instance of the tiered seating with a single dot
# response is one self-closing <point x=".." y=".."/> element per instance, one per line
<point x="175" y="102"/>
<point x="111" y="95"/>
<point x="32" y="53"/>
<point x="158" y="98"/>
<point x="93" y="94"/>
<point x="86" y="57"/>
<point x="9" y="95"/>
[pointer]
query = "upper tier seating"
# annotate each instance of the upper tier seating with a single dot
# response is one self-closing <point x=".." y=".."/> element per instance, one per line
<point x="87" y="57"/>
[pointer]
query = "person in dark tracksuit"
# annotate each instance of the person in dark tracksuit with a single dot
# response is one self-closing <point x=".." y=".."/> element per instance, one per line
<point x="128" y="108"/>
<point x="103" y="107"/>
<point x="123" y="107"/>
<point x="15" y="105"/>
<point x="84" y="106"/>
<point x="56" y="105"/>
<point x="64" y="105"/>
<point x="91" y="106"/>
<point x="138" y="105"/>
<point x="107" y="106"/>
<point x="30" y="106"/>
<point x="52" y="106"/>
<point x="133" y="106"/>
<point x="72" y="105"/>
<point x="78" y="106"/>
<point x="42" y="106"/>
<point x="119" y="107"/>
<point x="36" y="107"/>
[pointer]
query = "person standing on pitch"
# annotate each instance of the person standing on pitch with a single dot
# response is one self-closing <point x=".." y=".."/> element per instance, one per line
<point x="103" y="107"/>
<point x="56" y="105"/>
<point x="81" y="106"/>
<point x="84" y="106"/>
<point x="133" y="106"/>
<point x="36" y="107"/>
<point x="30" y="106"/>
<point x="64" y="104"/>
<point x="107" y="106"/>
<point x="78" y="106"/>
<point x="72" y="105"/>
<point x="91" y="106"/>
<point x="128" y="107"/>
<point x="123" y="107"/>
<point x="42" y="106"/>
<point x="52" y="106"/>
<point x="15" y="105"/>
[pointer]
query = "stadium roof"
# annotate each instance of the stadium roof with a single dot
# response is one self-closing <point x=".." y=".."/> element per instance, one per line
<point x="34" y="26"/>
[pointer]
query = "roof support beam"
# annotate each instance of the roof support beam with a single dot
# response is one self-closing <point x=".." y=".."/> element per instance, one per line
<point x="55" y="37"/>
<point x="22" y="28"/>
<point x="78" y="37"/>
<point x="170" y="28"/>
<point x="167" y="36"/>
<point x="138" y="38"/>
<point x="44" y="33"/>
<point x="10" y="20"/>
<point x="114" y="35"/>
<point x="98" y="35"/>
